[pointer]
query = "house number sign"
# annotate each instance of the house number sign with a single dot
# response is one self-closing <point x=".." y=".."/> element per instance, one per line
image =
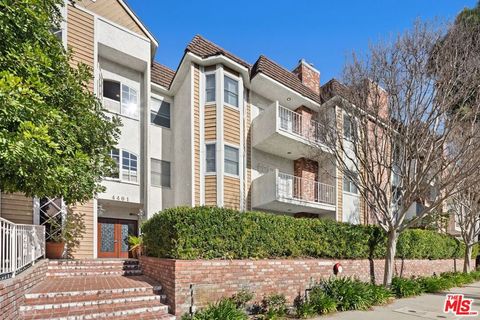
<point x="119" y="198"/>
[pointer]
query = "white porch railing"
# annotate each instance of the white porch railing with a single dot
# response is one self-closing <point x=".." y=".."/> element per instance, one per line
<point x="297" y="188"/>
<point x="20" y="246"/>
<point x="293" y="122"/>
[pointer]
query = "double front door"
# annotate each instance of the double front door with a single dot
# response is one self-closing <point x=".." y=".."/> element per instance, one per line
<point x="113" y="237"/>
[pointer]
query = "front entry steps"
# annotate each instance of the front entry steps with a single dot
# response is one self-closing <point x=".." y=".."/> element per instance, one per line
<point x="93" y="267"/>
<point x="95" y="289"/>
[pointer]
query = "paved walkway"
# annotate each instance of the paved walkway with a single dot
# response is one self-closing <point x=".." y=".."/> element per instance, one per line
<point x="427" y="306"/>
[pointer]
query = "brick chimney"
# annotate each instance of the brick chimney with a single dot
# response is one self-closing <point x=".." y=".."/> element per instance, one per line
<point x="309" y="76"/>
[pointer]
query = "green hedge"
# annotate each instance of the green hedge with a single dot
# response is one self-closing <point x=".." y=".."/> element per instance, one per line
<point x="209" y="233"/>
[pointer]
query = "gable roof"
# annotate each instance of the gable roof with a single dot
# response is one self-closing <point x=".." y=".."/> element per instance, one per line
<point x="204" y="48"/>
<point x="287" y="78"/>
<point x="161" y="75"/>
<point x="118" y="12"/>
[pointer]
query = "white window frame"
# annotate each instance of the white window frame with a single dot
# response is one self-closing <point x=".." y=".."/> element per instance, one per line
<point x="121" y="170"/>
<point x="161" y="173"/>
<point x="118" y="164"/>
<point x="214" y="160"/>
<point x="161" y="99"/>
<point x="129" y="171"/>
<point x="352" y="137"/>
<point x="346" y="177"/>
<point x="213" y="72"/>
<point x="137" y="91"/>
<point x="234" y="78"/>
<point x="130" y="89"/>
<point x="227" y="145"/>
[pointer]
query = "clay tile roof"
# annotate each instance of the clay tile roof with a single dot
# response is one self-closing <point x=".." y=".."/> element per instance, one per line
<point x="333" y="88"/>
<point x="282" y="75"/>
<point x="204" y="48"/>
<point x="162" y="75"/>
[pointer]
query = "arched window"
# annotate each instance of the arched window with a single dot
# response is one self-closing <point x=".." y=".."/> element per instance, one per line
<point x="129" y="167"/>
<point x="126" y="165"/>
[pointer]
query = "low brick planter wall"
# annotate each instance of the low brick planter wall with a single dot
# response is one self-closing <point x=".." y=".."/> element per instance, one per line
<point x="198" y="282"/>
<point x="12" y="291"/>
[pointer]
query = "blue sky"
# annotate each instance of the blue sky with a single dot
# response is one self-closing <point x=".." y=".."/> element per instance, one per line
<point x="322" y="32"/>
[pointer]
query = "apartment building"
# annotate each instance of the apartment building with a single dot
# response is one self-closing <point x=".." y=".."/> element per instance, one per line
<point x="217" y="131"/>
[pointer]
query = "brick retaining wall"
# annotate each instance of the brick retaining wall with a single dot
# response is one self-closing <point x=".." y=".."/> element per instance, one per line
<point x="213" y="279"/>
<point x="12" y="291"/>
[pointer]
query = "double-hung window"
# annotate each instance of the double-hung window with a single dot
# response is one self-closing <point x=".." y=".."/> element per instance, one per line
<point x="161" y="173"/>
<point x="210" y="160"/>
<point x="210" y="87"/>
<point x="230" y="91"/>
<point x="231" y="160"/>
<point x="129" y="166"/>
<point x="160" y="113"/>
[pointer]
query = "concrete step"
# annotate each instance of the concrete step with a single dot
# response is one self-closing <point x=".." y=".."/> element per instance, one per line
<point x="98" y="311"/>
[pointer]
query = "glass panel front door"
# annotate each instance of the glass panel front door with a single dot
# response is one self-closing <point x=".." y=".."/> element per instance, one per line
<point x="113" y="237"/>
<point x="107" y="241"/>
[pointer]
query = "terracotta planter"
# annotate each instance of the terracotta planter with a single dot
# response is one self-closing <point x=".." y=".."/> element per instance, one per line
<point x="54" y="250"/>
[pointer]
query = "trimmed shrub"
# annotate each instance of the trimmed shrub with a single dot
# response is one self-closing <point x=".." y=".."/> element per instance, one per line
<point x="224" y="309"/>
<point x="210" y="233"/>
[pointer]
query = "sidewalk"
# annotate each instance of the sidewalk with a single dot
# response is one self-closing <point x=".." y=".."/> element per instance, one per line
<point x="427" y="306"/>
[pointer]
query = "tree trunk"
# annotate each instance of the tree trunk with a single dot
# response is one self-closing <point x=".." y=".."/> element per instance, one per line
<point x="390" y="257"/>
<point x="467" y="258"/>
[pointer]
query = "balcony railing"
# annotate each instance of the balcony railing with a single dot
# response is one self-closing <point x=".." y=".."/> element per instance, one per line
<point x="294" y="123"/>
<point x="20" y="246"/>
<point x="297" y="188"/>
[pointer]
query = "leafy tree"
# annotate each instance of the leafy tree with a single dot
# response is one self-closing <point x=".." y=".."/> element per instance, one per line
<point x="54" y="135"/>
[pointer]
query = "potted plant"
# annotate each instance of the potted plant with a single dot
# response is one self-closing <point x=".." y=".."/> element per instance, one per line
<point x="136" y="245"/>
<point x="55" y="247"/>
<point x="68" y="237"/>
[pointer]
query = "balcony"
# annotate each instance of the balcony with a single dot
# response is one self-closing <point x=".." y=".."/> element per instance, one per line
<point x="277" y="191"/>
<point x="286" y="133"/>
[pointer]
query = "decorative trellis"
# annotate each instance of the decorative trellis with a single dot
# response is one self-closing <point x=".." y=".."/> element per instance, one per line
<point x="52" y="216"/>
